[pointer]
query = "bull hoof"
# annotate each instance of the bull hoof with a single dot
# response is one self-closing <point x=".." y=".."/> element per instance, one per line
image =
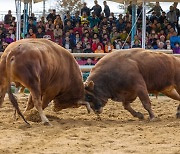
<point x="140" y="115"/>
<point x="155" y="119"/>
<point x="47" y="123"/>
<point x="178" y="115"/>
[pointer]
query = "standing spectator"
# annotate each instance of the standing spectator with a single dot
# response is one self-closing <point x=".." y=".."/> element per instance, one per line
<point x="171" y="16"/>
<point x="85" y="9"/>
<point x="106" y="9"/>
<point x="157" y="9"/>
<point x="129" y="8"/>
<point x="162" y="17"/>
<point x="51" y="16"/>
<point x="8" y="18"/>
<point x="96" y="8"/>
<point x="178" y="15"/>
<point x="58" y="21"/>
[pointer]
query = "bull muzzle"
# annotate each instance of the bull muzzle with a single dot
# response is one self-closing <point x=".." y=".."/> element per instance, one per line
<point x="99" y="111"/>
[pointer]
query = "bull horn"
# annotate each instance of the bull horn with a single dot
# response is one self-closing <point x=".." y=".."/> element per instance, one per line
<point x="88" y="107"/>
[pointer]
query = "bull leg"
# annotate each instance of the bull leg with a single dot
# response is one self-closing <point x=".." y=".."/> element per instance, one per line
<point x="30" y="104"/>
<point x="178" y="112"/>
<point x="172" y="93"/>
<point x="143" y="96"/>
<point x="36" y="99"/>
<point x="128" y="107"/>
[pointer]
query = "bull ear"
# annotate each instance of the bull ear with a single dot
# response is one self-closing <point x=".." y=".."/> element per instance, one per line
<point x="89" y="85"/>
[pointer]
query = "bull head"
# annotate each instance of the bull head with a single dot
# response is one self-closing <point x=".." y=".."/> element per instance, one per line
<point x="92" y="98"/>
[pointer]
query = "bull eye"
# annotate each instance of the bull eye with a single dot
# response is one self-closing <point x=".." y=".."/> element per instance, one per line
<point x="88" y="98"/>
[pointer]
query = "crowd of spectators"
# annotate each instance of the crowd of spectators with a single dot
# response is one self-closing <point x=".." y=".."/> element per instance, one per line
<point x="97" y="30"/>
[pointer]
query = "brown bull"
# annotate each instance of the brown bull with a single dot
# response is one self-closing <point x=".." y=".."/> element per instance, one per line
<point x="49" y="72"/>
<point x="124" y="76"/>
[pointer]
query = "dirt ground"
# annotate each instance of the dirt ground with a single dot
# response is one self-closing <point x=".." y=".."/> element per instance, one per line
<point x="77" y="132"/>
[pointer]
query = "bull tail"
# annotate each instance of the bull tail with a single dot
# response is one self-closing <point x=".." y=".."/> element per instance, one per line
<point x="15" y="104"/>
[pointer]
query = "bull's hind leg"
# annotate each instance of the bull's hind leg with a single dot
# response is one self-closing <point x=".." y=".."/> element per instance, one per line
<point x="30" y="104"/>
<point x="174" y="94"/>
<point x="36" y="98"/>
<point x="128" y="107"/>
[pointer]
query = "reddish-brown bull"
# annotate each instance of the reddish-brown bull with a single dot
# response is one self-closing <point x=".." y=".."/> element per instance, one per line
<point x="123" y="76"/>
<point x="49" y="72"/>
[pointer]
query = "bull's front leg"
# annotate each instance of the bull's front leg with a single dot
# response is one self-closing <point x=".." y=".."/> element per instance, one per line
<point x="128" y="107"/>
<point x="143" y="96"/>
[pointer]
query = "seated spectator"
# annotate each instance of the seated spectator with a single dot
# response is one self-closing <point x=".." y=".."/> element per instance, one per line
<point x="58" y="21"/>
<point x="162" y="17"/>
<point x="123" y="35"/>
<point x="68" y="26"/>
<point x="78" y="48"/>
<point x="109" y="47"/>
<point x="8" y="18"/>
<point x="86" y="40"/>
<point x="41" y="25"/>
<point x="31" y="34"/>
<point x="33" y="18"/>
<point x="77" y="38"/>
<point x="4" y="45"/>
<point x="76" y="18"/>
<point x="168" y="45"/>
<point x="32" y="26"/>
<point x="40" y="33"/>
<point x="78" y="29"/>
<point x="126" y="46"/>
<point x="176" y="49"/>
<point x="8" y="39"/>
<point x="11" y="32"/>
<point x="88" y="48"/>
<point x="93" y="20"/>
<point x="99" y="49"/>
<point x="50" y="26"/>
<point x="68" y="18"/>
<point x="161" y="46"/>
<point x="68" y="44"/>
<point x="137" y="44"/>
<point x="117" y="44"/>
<point x="58" y="33"/>
<point x="89" y="62"/>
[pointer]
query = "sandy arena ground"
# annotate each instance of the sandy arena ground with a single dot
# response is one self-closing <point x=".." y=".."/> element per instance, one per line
<point x="76" y="132"/>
